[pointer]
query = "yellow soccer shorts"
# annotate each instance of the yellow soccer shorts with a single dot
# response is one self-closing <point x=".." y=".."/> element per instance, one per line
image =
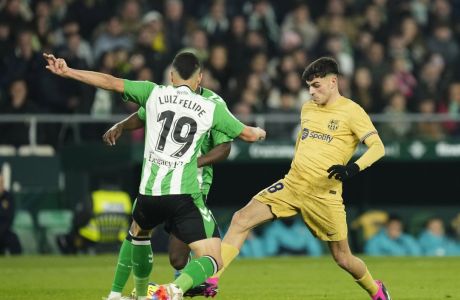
<point x="326" y="218"/>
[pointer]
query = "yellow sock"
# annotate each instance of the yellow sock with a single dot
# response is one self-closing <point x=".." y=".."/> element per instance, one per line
<point x="229" y="253"/>
<point x="368" y="283"/>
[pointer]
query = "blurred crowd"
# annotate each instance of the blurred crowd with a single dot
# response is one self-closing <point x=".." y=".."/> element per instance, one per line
<point x="374" y="233"/>
<point x="395" y="56"/>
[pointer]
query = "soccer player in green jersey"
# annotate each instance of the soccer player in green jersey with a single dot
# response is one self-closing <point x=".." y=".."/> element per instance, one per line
<point x="177" y="120"/>
<point x="216" y="147"/>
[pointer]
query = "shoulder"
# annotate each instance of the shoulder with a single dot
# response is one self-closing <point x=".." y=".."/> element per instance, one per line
<point x="308" y="105"/>
<point x="211" y="95"/>
<point x="351" y="105"/>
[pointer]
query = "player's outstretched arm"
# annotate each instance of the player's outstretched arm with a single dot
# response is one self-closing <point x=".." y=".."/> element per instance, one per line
<point x="59" y="67"/>
<point x="215" y="155"/>
<point x="130" y="123"/>
<point x="252" y="134"/>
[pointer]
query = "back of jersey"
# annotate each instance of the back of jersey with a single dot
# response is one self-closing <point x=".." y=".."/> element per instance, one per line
<point x="176" y="122"/>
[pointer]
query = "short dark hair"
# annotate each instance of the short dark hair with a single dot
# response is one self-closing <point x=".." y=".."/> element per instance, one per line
<point x="320" y="68"/>
<point x="186" y="64"/>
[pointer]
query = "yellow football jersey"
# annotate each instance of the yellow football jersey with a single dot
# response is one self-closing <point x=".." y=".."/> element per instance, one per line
<point x="328" y="136"/>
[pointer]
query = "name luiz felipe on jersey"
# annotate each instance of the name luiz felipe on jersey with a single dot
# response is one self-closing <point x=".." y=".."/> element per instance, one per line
<point x="186" y="103"/>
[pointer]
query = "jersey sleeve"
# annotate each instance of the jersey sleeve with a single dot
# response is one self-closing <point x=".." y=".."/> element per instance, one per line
<point x="218" y="138"/>
<point x="225" y="122"/>
<point x="141" y="113"/>
<point x="361" y="125"/>
<point x="137" y="91"/>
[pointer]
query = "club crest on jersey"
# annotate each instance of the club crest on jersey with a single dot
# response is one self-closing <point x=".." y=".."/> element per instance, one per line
<point x="333" y="125"/>
<point x="305" y="133"/>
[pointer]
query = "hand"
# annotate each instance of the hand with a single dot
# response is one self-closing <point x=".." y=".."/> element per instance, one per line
<point x="112" y="135"/>
<point x="57" y="66"/>
<point x="262" y="134"/>
<point x="341" y="172"/>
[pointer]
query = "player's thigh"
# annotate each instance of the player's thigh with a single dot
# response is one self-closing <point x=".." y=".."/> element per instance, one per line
<point x="278" y="199"/>
<point x="150" y="211"/>
<point x="193" y="221"/>
<point x="326" y="218"/>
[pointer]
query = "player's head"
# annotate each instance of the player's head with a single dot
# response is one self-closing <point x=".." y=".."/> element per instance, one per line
<point x="321" y="79"/>
<point x="394" y="226"/>
<point x="186" y="70"/>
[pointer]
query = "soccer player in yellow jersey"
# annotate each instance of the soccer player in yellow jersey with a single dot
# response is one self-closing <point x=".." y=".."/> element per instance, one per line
<point x="331" y="128"/>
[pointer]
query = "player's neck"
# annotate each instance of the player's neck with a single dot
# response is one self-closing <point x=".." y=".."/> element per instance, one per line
<point x="184" y="83"/>
<point x="333" y="99"/>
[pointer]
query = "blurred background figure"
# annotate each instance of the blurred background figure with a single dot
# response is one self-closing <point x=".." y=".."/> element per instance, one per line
<point x="9" y="242"/>
<point x="434" y="242"/>
<point x="392" y="241"/>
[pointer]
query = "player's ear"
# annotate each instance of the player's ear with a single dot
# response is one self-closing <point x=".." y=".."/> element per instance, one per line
<point x="171" y="77"/>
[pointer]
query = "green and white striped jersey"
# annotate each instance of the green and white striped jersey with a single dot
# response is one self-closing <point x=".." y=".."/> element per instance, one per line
<point x="177" y="121"/>
<point x="211" y="140"/>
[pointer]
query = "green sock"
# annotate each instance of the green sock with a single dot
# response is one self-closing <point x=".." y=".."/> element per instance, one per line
<point x="196" y="272"/>
<point x="142" y="259"/>
<point x="124" y="266"/>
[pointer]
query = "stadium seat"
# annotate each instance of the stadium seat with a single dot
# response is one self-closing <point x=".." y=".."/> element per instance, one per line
<point x="52" y="223"/>
<point x="24" y="227"/>
<point x="7" y="150"/>
<point x="36" y="150"/>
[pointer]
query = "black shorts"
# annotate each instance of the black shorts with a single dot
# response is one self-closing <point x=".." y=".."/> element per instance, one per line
<point x="187" y="217"/>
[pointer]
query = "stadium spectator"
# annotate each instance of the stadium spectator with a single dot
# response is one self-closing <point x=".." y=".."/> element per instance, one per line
<point x="434" y="241"/>
<point x="292" y="85"/>
<point x="392" y="241"/>
<point x="427" y="129"/>
<point x="262" y="18"/>
<point x="442" y="41"/>
<point x="298" y="20"/>
<point x="287" y="107"/>
<point x="431" y="83"/>
<point x="16" y="14"/>
<point x="399" y="128"/>
<point x="382" y="36"/>
<point x="112" y="37"/>
<point x="216" y="23"/>
<point x="17" y="134"/>
<point x="9" y="242"/>
<point x="219" y="68"/>
<point x="362" y="89"/>
<point x="175" y="25"/>
<point x="452" y="107"/>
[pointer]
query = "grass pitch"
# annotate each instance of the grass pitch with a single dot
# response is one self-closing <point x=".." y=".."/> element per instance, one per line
<point x="89" y="277"/>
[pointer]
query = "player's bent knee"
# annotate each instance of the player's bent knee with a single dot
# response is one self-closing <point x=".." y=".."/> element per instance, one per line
<point x="342" y="261"/>
<point x="178" y="262"/>
<point x="240" y="220"/>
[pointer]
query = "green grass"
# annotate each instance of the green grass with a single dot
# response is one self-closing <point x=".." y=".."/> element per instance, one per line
<point x="89" y="277"/>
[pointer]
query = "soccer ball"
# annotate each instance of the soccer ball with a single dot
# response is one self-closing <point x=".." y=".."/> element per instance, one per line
<point x="151" y="289"/>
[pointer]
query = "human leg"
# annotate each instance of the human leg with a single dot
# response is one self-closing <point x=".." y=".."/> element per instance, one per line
<point x="123" y="268"/>
<point x="179" y="252"/>
<point x="142" y="258"/>
<point x="342" y="255"/>
<point x="265" y="206"/>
